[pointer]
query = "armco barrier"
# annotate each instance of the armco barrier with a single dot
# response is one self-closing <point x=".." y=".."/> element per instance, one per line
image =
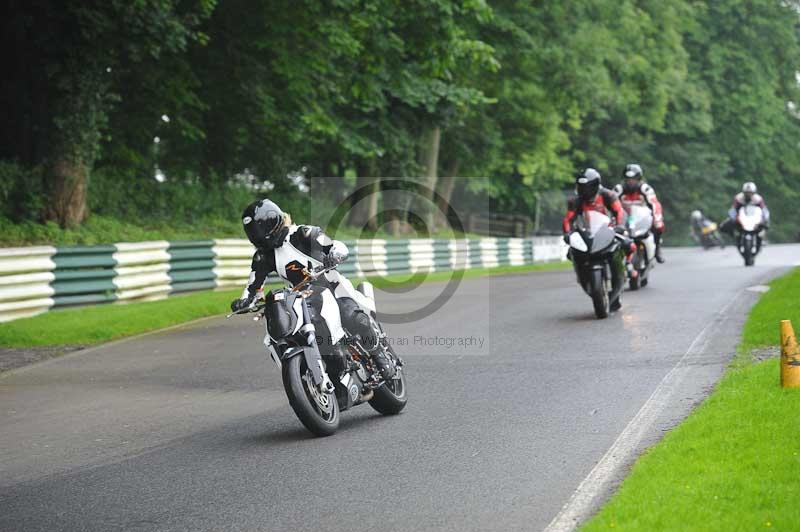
<point x="35" y="279"/>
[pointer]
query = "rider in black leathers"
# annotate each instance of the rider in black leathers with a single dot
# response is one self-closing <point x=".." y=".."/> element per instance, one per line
<point x="287" y="250"/>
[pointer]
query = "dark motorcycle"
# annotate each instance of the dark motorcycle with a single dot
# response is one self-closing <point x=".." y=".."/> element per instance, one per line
<point x="750" y="222"/>
<point x="599" y="261"/>
<point x="321" y="383"/>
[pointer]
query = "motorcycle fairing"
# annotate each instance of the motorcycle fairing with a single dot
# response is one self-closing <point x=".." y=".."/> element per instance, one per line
<point x="640" y="221"/>
<point x="750" y="217"/>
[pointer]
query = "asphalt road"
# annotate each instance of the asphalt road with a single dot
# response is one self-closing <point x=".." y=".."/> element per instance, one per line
<point x="189" y="429"/>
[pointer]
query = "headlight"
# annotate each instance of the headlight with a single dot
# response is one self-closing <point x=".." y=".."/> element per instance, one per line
<point x="576" y="241"/>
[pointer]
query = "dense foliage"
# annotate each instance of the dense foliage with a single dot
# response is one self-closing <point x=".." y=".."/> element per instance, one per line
<point x="217" y="97"/>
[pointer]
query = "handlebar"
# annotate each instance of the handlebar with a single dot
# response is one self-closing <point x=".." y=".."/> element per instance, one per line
<point x="309" y="276"/>
<point x="257" y="306"/>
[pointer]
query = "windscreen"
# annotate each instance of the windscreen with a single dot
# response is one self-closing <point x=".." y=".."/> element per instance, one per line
<point x="640" y="219"/>
<point x="594" y="221"/>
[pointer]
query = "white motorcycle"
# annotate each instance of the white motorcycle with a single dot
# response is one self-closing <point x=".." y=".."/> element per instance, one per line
<point x="750" y="222"/>
<point x="640" y="229"/>
<point x="320" y="383"/>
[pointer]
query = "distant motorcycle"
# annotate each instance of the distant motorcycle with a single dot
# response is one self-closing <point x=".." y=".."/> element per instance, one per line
<point x="750" y="222"/>
<point x="319" y="385"/>
<point x="710" y="236"/>
<point x="598" y="260"/>
<point x="640" y="228"/>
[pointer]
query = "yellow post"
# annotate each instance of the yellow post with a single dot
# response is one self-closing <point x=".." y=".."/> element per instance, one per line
<point x="790" y="357"/>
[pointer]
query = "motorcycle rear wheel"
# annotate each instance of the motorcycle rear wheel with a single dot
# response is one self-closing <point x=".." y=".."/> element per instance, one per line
<point x="319" y="413"/>
<point x="390" y="399"/>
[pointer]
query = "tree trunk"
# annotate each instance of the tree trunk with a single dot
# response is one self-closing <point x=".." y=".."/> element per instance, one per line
<point x="69" y="181"/>
<point x="430" y="161"/>
<point x="364" y="206"/>
<point x="446" y="186"/>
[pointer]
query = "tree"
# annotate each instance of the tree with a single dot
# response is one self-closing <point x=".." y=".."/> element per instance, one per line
<point x="83" y="50"/>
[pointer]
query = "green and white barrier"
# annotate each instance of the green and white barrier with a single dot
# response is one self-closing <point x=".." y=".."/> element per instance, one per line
<point x="35" y="279"/>
<point x="26" y="275"/>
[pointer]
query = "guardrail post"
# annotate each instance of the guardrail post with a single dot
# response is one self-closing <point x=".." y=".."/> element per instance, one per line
<point x="790" y="357"/>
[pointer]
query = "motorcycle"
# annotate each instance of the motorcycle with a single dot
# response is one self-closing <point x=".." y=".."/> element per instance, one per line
<point x="322" y="383"/>
<point x="750" y="222"/>
<point x="640" y="226"/>
<point x="598" y="259"/>
<point x="710" y="236"/>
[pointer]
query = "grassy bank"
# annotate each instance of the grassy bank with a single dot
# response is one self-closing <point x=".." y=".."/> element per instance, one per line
<point x="107" y="230"/>
<point x="734" y="464"/>
<point x="97" y="324"/>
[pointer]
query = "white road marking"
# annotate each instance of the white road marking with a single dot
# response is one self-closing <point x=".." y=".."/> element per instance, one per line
<point x="579" y="507"/>
<point x="760" y="288"/>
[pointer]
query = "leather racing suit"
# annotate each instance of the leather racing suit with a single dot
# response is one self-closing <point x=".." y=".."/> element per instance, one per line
<point x="605" y="201"/>
<point x="645" y="196"/>
<point x="307" y="247"/>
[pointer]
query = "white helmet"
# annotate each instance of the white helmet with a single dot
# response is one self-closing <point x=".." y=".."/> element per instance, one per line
<point x="697" y="215"/>
<point x="749" y="187"/>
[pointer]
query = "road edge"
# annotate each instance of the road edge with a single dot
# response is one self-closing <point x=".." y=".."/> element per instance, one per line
<point x="597" y="486"/>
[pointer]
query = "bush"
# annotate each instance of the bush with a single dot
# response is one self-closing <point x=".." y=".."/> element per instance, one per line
<point x="21" y="192"/>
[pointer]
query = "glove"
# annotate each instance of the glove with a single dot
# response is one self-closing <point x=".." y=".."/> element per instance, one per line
<point x="620" y="230"/>
<point x="241" y="304"/>
<point x="328" y="261"/>
<point x="566" y="238"/>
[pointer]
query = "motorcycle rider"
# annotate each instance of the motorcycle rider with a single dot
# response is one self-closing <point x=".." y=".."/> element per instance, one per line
<point x="698" y="221"/>
<point x="748" y="196"/>
<point x="288" y="249"/>
<point x="703" y="230"/>
<point x="591" y="195"/>
<point x="634" y="190"/>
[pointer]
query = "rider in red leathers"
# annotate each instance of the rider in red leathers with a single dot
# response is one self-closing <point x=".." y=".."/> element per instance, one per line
<point x="633" y="190"/>
<point x="592" y="196"/>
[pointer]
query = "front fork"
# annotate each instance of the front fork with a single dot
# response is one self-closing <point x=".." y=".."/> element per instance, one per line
<point x="616" y="266"/>
<point x="311" y="352"/>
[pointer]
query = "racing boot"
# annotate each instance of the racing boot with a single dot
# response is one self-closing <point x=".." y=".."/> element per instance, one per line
<point x="383" y="363"/>
<point x="659" y="257"/>
<point x="368" y="334"/>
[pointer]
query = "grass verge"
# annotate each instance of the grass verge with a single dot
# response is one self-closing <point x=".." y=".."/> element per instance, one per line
<point x="99" y="229"/>
<point x="734" y="464"/>
<point x="97" y="324"/>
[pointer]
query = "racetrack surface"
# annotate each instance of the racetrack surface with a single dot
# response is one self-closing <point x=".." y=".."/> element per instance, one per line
<point x="189" y="429"/>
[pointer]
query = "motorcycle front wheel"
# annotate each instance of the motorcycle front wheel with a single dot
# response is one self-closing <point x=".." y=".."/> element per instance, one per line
<point x="635" y="281"/>
<point x="317" y="411"/>
<point x="599" y="294"/>
<point x="749" y="258"/>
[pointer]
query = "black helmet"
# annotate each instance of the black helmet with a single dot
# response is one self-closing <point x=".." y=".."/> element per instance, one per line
<point x="263" y="223"/>
<point x="587" y="184"/>
<point x="632" y="178"/>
